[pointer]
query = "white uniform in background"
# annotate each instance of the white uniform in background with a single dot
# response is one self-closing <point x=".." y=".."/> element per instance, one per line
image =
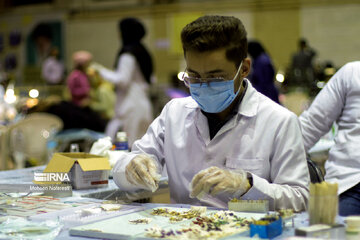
<point x="2" y="93"/>
<point x="338" y="101"/>
<point x="263" y="139"/>
<point x="133" y="109"/>
<point x="52" y="70"/>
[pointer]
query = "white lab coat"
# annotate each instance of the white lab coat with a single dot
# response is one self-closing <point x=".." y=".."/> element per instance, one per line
<point x="52" y="70"/>
<point x="133" y="109"/>
<point x="338" y="101"/>
<point x="264" y="139"/>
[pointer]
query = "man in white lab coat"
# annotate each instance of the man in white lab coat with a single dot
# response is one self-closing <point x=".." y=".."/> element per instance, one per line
<point x="225" y="141"/>
<point x="339" y="101"/>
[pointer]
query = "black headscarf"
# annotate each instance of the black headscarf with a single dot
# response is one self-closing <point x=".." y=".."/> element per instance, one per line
<point x="255" y="49"/>
<point x="132" y="31"/>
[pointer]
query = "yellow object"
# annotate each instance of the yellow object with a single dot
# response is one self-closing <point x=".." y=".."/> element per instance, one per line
<point x="178" y="22"/>
<point x="296" y="101"/>
<point x="248" y="205"/>
<point x="352" y="227"/>
<point x="285" y="213"/>
<point x="27" y="20"/>
<point x="323" y="203"/>
<point x="86" y="170"/>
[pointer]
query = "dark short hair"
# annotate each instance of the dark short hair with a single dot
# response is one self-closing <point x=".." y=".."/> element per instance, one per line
<point x="209" y="33"/>
<point x="302" y="42"/>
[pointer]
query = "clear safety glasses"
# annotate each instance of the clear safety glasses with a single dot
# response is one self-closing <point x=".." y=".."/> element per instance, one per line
<point x="188" y="79"/>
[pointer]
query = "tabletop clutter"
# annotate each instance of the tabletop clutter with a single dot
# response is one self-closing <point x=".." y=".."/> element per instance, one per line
<point x="323" y="203"/>
<point x="91" y="170"/>
<point x="323" y="209"/>
<point x="174" y="222"/>
<point x="86" y="170"/>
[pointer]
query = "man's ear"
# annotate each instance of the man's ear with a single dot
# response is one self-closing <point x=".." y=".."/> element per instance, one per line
<point x="245" y="68"/>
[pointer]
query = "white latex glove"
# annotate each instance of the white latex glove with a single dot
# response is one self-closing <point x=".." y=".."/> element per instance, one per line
<point x="114" y="156"/>
<point x="101" y="146"/>
<point x="143" y="171"/>
<point x="214" y="180"/>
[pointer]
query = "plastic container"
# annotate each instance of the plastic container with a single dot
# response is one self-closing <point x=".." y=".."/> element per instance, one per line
<point x="121" y="142"/>
<point x="323" y="209"/>
<point x="261" y="206"/>
<point x="74" y="147"/>
<point x="270" y="230"/>
<point x="352" y="227"/>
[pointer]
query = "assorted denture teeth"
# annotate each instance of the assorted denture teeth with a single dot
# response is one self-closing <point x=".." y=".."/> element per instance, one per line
<point x="202" y="226"/>
<point x="141" y="221"/>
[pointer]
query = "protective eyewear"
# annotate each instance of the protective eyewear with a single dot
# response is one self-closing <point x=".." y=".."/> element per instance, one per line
<point x="187" y="79"/>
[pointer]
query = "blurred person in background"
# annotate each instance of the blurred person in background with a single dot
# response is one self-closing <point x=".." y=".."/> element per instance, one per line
<point x="262" y="73"/>
<point x="132" y="78"/>
<point x="78" y="82"/>
<point x="52" y="69"/>
<point x="339" y="101"/>
<point x="76" y="113"/>
<point x="102" y="95"/>
<point x="302" y="71"/>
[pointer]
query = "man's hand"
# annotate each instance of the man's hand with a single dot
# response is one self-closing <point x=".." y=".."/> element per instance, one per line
<point x="214" y="180"/>
<point x="142" y="171"/>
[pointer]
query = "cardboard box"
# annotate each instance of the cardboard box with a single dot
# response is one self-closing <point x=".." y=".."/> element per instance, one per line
<point x="85" y="170"/>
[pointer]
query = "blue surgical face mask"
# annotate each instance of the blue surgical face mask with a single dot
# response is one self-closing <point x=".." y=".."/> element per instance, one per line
<point x="216" y="96"/>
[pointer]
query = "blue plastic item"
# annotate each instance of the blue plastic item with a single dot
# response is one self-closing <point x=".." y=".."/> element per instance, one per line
<point x="121" y="142"/>
<point x="267" y="231"/>
<point x="121" y="146"/>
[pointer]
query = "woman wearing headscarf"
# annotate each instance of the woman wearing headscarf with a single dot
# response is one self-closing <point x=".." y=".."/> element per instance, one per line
<point x="131" y="77"/>
<point x="263" y="73"/>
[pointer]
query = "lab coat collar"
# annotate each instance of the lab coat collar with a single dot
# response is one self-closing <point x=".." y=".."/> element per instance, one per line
<point x="250" y="102"/>
<point x="247" y="107"/>
<point x="191" y="103"/>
